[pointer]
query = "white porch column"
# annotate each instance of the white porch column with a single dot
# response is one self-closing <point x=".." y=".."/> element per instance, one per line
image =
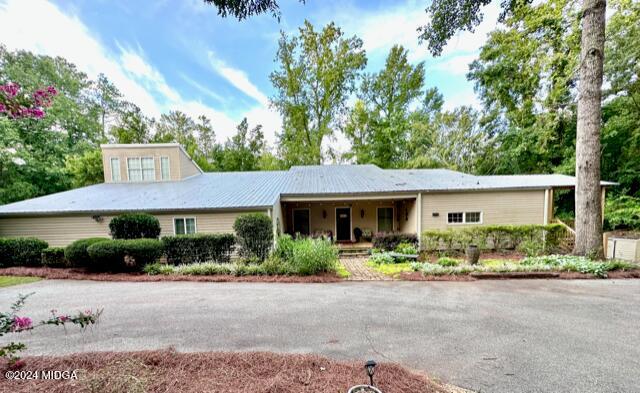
<point x="419" y="220"/>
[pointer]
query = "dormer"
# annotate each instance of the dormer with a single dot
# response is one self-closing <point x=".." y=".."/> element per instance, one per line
<point x="146" y="163"/>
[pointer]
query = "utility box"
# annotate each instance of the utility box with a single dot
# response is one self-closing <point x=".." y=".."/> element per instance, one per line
<point x="625" y="249"/>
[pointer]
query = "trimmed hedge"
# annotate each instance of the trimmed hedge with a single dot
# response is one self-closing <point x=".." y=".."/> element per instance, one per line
<point x="255" y="235"/>
<point x="135" y="226"/>
<point x="495" y="237"/>
<point x="388" y="241"/>
<point x="124" y="254"/>
<point x="199" y="248"/>
<point x="76" y="252"/>
<point x="24" y="251"/>
<point x="54" y="257"/>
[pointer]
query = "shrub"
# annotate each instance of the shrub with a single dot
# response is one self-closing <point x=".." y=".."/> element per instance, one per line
<point x="383" y="258"/>
<point x="158" y="268"/>
<point x="199" y="248"/>
<point x="275" y="265"/>
<point x="76" y="252"/>
<point x="135" y="226"/>
<point x="120" y="254"/>
<point x="390" y="240"/>
<point x="531" y="248"/>
<point x="23" y="251"/>
<point x="284" y="247"/>
<point x="313" y="256"/>
<point x="445" y="261"/>
<point x="622" y="213"/>
<point x="367" y="234"/>
<point x="255" y="234"/>
<point x="406" y="248"/>
<point x="54" y="257"/>
<point x="494" y="237"/>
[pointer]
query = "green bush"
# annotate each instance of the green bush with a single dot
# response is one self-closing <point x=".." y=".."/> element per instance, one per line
<point x="120" y="254"/>
<point x="494" y="237"/>
<point x="76" y="252"/>
<point x="445" y="261"/>
<point x="383" y="258"/>
<point x="158" y="269"/>
<point x="54" y="257"/>
<point x="21" y="251"/>
<point x="313" y="256"/>
<point x="284" y="247"/>
<point x="255" y="234"/>
<point x="388" y="241"/>
<point x="406" y="248"/>
<point x="199" y="248"/>
<point x="622" y="213"/>
<point x="531" y="248"/>
<point x="135" y="226"/>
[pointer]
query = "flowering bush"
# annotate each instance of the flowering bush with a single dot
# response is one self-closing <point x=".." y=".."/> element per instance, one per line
<point x="11" y="322"/>
<point x="17" y="105"/>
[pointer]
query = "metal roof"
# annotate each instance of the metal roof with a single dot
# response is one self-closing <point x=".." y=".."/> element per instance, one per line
<point x="246" y="190"/>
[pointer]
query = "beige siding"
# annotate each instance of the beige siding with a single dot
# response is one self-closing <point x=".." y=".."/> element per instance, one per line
<point x="498" y="207"/>
<point x="62" y="230"/>
<point x="180" y="165"/>
<point x="187" y="167"/>
<point x="407" y="216"/>
<point x="625" y="249"/>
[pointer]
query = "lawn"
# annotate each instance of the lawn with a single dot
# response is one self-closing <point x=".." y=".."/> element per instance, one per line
<point x="170" y="371"/>
<point x="7" y="281"/>
<point x="342" y="271"/>
<point x="393" y="269"/>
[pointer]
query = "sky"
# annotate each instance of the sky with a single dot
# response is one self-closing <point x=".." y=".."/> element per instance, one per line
<point x="168" y="55"/>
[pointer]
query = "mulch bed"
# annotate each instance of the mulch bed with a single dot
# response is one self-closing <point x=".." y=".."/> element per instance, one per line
<point x="418" y="276"/>
<point x="229" y="372"/>
<point x="81" y="274"/>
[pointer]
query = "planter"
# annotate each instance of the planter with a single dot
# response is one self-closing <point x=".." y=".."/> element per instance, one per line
<point x="364" y="389"/>
<point x="473" y="254"/>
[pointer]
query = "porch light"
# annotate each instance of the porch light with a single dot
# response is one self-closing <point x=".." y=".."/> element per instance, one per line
<point x="370" y="366"/>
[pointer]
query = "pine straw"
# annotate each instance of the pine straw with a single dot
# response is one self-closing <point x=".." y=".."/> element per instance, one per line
<point x="81" y="274"/>
<point x="231" y="372"/>
<point x="617" y="274"/>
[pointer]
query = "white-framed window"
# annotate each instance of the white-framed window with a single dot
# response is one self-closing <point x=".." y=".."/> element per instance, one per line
<point x="141" y="169"/>
<point x="184" y="225"/>
<point x="115" y="169"/>
<point x="464" y="218"/>
<point x="165" y="173"/>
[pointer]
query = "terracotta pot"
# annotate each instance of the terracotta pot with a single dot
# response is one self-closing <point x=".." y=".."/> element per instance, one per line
<point x="473" y="254"/>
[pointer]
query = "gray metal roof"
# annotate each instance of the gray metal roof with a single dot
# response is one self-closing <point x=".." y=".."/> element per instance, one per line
<point x="245" y="190"/>
<point x="225" y="190"/>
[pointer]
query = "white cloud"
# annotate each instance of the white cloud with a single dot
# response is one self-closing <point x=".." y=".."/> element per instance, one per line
<point x="135" y="77"/>
<point x="238" y="78"/>
<point x="457" y="65"/>
<point x="201" y="88"/>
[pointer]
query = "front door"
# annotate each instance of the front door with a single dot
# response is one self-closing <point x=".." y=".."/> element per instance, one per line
<point x="343" y="224"/>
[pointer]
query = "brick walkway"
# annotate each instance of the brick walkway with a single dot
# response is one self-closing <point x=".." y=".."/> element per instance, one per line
<point x="359" y="270"/>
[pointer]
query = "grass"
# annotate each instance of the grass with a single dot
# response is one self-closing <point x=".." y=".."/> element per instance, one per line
<point x="7" y="281"/>
<point x="342" y="271"/>
<point x="391" y="269"/>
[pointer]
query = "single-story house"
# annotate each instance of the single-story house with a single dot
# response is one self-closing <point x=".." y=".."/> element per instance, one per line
<point x="163" y="180"/>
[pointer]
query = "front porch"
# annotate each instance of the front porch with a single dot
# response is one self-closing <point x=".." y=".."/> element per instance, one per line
<point x="349" y="221"/>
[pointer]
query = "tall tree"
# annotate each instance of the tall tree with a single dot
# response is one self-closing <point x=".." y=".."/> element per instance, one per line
<point x="450" y="16"/>
<point x="132" y="126"/>
<point x="378" y="124"/>
<point x="244" y="150"/>
<point x="108" y="101"/>
<point x="316" y="74"/>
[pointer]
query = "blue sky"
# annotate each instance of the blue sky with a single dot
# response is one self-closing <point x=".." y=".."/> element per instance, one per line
<point x="178" y="54"/>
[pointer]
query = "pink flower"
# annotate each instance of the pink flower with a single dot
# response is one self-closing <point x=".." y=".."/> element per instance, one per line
<point x="21" y="323"/>
<point x="3" y="108"/>
<point x="63" y="318"/>
<point x="37" y="113"/>
<point x="10" y="89"/>
<point x="52" y="90"/>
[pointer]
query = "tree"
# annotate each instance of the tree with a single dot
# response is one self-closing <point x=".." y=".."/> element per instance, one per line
<point x="316" y="74"/>
<point x="108" y="100"/>
<point x="449" y="16"/>
<point x="85" y="169"/>
<point x="243" y="151"/>
<point x="378" y="124"/>
<point x="132" y="126"/>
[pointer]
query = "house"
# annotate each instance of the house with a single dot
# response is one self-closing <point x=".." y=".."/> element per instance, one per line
<point x="163" y="180"/>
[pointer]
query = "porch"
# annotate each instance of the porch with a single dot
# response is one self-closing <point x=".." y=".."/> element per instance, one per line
<point x="350" y="221"/>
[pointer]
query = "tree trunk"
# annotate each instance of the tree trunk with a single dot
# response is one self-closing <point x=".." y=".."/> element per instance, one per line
<point x="588" y="208"/>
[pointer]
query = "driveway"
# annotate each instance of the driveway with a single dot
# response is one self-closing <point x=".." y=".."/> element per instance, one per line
<point x="489" y="336"/>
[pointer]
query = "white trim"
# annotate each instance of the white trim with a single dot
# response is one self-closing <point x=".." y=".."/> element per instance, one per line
<point x="464" y="217"/>
<point x="142" y="179"/>
<point x="293" y="219"/>
<point x="342" y="198"/>
<point x="119" y="169"/>
<point x="419" y="220"/>
<point x="184" y="219"/>
<point x="546" y="207"/>
<point x="393" y="216"/>
<point x="335" y="221"/>
<point x="168" y="167"/>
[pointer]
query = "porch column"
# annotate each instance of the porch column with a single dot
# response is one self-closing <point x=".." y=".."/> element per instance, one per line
<point x="419" y="220"/>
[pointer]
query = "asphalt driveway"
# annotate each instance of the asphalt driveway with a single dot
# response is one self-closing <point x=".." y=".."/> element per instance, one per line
<point x="489" y="336"/>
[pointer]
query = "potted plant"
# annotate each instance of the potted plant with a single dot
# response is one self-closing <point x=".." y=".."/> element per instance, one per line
<point x="473" y="254"/>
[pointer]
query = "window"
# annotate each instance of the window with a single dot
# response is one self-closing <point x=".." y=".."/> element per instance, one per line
<point x="385" y="219"/>
<point x="472" y="217"/>
<point x="455" y="218"/>
<point x="141" y="169"/>
<point x="184" y="226"/>
<point x="115" y="169"/>
<point x="164" y="168"/>
<point x="301" y="221"/>
<point x="464" y="218"/>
